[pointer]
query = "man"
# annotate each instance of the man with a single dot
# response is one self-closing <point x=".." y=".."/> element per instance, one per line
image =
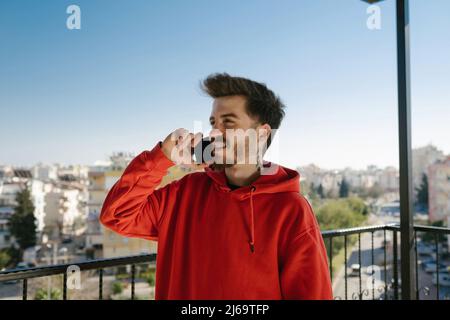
<point x="228" y="232"/>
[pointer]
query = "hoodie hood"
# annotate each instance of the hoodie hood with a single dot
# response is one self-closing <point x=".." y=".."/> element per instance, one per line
<point x="282" y="180"/>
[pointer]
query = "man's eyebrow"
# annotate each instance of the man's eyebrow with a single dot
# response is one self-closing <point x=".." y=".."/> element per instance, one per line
<point x="230" y="115"/>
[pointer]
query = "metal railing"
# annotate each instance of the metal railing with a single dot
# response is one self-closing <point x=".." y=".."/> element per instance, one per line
<point x="382" y="281"/>
<point x="64" y="270"/>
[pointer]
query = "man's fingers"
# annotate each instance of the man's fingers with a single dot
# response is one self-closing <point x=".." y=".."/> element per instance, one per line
<point x="197" y="139"/>
<point x="179" y="135"/>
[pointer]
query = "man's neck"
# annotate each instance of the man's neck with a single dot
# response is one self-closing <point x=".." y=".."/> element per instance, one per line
<point x="242" y="174"/>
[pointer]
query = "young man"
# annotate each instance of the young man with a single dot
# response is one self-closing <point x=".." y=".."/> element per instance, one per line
<point x="228" y="232"/>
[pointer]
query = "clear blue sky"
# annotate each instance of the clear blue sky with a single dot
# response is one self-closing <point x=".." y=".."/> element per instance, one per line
<point x="131" y="75"/>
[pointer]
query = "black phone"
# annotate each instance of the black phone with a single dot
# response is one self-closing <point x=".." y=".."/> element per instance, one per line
<point x="199" y="151"/>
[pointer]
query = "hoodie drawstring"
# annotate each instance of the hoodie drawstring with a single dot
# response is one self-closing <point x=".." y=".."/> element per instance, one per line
<point x="252" y="223"/>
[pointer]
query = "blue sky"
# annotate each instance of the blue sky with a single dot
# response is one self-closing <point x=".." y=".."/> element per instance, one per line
<point x="131" y="75"/>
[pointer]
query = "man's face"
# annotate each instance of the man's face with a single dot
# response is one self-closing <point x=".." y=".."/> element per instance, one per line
<point x="229" y="114"/>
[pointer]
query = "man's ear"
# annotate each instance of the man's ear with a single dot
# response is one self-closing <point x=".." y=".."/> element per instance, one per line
<point x="264" y="132"/>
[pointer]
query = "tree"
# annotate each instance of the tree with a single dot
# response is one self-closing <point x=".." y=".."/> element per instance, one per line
<point x="422" y="191"/>
<point x="117" y="287"/>
<point x="320" y="191"/>
<point x="22" y="224"/>
<point x="4" y="259"/>
<point x="42" y="294"/>
<point x="305" y="188"/>
<point x="431" y="237"/>
<point x="341" y="213"/>
<point x="151" y="279"/>
<point x="375" y="191"/>
<point x="344" y="189"/>
<point x="9" y="257"/>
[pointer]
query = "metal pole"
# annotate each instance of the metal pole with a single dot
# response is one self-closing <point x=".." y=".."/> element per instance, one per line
<point x="408" y="269"/>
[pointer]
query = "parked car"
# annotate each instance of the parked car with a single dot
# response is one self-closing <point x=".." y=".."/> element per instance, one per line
<point x="423" y="263"/>
<point x="424" y="249"/>
<point x="444" y="279"/>
<point x="431" y="267"/>
<point x="355" y="270"/>
<point x="67" y="240"/>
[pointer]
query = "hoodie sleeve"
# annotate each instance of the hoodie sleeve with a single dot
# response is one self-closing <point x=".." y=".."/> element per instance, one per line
<point x="304" y="273"/>
<point x="133" y="207"/>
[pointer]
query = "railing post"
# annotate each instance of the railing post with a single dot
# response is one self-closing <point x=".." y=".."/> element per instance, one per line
<point x="100" y="285"/>
<point x="436" y="239"/>
<point x="133" y="279"/>
<point x="65" y="285"/>
<point x="417" y="266"/>
<point x="360" y="266"/>
<point x="25" y="289"/>
<point x="404" y="129"/>
<point x="331" y="258"/>
<point x="395" y="252"/>
<point x="345" y="266"/>
<point x="385" y="265"/>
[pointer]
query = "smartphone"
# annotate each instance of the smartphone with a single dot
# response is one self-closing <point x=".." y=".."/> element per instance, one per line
<point x="199" y="151"/>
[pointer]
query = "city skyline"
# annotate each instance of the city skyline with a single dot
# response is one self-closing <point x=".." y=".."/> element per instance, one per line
<point x="107" y="162"/>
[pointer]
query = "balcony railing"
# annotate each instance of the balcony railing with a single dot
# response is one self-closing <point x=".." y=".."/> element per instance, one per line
<point x="382" y="277"/>
<point x="374" y="247"/>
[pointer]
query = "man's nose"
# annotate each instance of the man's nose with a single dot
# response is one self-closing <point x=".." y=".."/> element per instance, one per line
<point x="218" y="126"/>
<point x="215" y="132"/>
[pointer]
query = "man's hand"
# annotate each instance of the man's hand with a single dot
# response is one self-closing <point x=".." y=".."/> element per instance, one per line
<point x="177" y="147"/>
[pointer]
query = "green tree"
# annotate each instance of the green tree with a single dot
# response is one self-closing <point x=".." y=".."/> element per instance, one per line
<point x="151" y="279"/>
<point x="311" y="191"/>
<point x="430" y="237"/>
<point x="342" y="213"/>
<point x="13" y="256"/>
<point x="22" y="224"/>
<point x="339" y="214"/>
<point x="42" y="294"/>
<point x="344" y="188"/>
<point x="357" y="206"/>
<point x="422" y="191"/>
<point x="117" y="287"/>
<point x="305" y="189"/>
<point x="375" y="191"/>
<point x="4" y="259"/>
<point x="320" y="191"/>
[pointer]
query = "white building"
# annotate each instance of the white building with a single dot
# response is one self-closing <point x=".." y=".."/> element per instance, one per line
<point x="38" y="189"/>
<point x="439" y="190"/>
<point x="45" y="172"/>
<point x="6" y="239"/>
<point x="389" y="179"/>
<point x="422" y="158"/>
<point x="64" y="210"/>
<point x="8" y="191"/>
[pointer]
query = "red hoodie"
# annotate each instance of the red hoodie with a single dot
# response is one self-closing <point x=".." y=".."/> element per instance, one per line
<point x="255" y="242"/>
